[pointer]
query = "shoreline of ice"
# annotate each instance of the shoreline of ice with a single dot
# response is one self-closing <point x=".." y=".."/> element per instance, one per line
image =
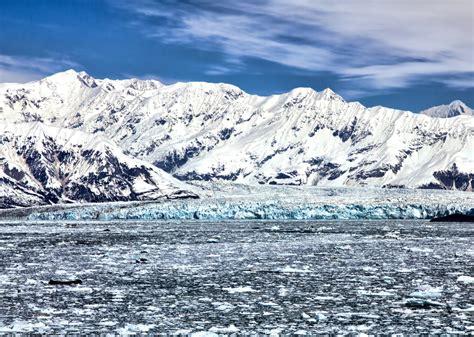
<point x="230" y="201"/>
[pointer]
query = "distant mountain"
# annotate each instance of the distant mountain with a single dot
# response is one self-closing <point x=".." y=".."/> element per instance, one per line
<point x="204" y="131"/>
<point x="453" y="109"/>
<point x="40" y="164"/>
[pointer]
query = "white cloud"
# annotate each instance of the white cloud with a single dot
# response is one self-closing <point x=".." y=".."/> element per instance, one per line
<point x="162" y="79"/>
<point x="221" y="70"/>
<point x="460" y="82"/>
<point x="386" y="44"/>
<point x="20" y="69"/>
<point x="242" y="36"/>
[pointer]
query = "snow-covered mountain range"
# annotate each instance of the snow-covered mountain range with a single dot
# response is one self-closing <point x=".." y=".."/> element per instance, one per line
<point x="41" y="164"/>
<point x="203" y="131"/>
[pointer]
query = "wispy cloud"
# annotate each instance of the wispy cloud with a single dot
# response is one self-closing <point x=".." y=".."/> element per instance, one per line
<point x="220" y="70"/>
<point x="380" y="44"/>
<point x="461" y="82"/>
<point x="161" y="79"/>
<point x="20" y="69"/>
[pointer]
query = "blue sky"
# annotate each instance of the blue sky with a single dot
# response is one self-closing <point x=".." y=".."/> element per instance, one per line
<point x="399" y="53"/>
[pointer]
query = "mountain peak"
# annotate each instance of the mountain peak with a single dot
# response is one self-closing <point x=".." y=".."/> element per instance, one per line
<point x="71" y="75"/>
<point x="328" y="94"/>
<point x="62" y="76"/>
<point x="453" y="109"/>
<point x="458" y="104"/>
<point x="328" y="91"/>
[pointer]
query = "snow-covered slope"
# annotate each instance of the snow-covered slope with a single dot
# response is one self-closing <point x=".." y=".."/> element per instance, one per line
<point x="453" y="109"/>
<point x="209" y="131"/>
<point x="40" y="164"/>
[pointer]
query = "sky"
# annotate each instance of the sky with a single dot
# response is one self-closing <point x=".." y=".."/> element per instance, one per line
<point x="403" y="54"/>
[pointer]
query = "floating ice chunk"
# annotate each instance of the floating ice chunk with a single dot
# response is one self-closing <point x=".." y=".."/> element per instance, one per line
<point x="465" y="279"/>
<point x="321" y="316"/>
<point x="22" y="326"/>
<point x="230" y="329"/>
<point x="345" y="247"/>
<point x="420" y="250"/>
<point x="108" y="323"/>
<point x="269" y="304"/>
<point x="182" y="332"/>
<point x="426" y="291"/>
<point x="51" y="311"/>
<point x="274" y="332"/>
<point x="223" y="306"/>
<point x="133" y="329"/>
<point x="368" y="268"/>
<point x="239" y="290"/>
<point x="282" y="291"/>
<point x="204" y="334"/>
<point x="289" y="269"/>
<point x="382" y="293"/>
<point x="357" y="315"/>
<point x="392" y="235"/>
<point x="300" y="332"/>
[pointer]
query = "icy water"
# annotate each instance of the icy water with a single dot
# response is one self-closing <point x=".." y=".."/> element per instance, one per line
<point x="265" y="277"/>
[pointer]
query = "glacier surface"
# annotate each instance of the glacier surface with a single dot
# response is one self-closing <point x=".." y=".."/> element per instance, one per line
<point x="230" y="201"/>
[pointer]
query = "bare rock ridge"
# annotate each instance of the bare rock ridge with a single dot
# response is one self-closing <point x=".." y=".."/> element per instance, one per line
<point x="205" y="131"/>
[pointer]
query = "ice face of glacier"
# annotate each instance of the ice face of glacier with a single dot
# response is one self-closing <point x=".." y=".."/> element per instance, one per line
<point x="204" y="131"/>
<point x="230" y="201"/>
<point x="41" y="164"/>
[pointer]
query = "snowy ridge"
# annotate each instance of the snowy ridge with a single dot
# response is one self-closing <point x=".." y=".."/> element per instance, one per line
<point x="41" y="164"/>
<point x="204" y="131"/>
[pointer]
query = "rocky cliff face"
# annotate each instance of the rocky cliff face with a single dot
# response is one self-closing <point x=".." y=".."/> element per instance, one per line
<point x="203" y="131"/>
<point x="41" y="165"/>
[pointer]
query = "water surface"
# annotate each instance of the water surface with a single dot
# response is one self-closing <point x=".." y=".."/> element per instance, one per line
<point x="266" y="277"/>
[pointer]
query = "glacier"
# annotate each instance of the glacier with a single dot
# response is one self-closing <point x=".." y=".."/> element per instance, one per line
<point x="231" y="201"/>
